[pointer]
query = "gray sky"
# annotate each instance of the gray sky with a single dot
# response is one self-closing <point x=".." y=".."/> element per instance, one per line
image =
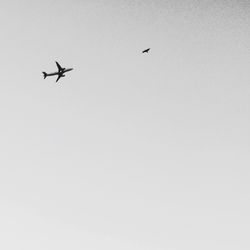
<point x="129" y="151"/>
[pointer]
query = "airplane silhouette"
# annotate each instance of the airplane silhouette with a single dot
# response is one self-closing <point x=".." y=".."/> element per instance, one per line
<point x="146" y="50"/>
<point x="59" y="73"/>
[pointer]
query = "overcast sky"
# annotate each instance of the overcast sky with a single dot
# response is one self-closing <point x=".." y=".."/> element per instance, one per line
<point x="129" y="150"/>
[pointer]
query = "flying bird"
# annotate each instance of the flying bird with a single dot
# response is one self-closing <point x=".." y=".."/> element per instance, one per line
<point x="59" y="73"/>
<point x="146" y="50"/>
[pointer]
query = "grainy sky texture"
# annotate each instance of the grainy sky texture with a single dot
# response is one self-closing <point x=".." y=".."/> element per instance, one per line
<point x="129" y="151"/>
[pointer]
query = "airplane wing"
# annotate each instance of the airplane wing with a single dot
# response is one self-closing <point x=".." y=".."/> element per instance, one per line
<point x="59" y="76"/>
<point x="59" y="66"/>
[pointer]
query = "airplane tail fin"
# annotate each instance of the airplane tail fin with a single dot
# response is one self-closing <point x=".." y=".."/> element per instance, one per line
<point x="44" y="75"/>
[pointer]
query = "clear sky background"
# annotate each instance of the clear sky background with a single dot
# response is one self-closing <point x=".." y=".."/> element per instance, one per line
<point x="130" y="150"/>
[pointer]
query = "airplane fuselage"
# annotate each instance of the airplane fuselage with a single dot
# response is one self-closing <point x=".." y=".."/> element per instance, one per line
<point x="59" y="72"/>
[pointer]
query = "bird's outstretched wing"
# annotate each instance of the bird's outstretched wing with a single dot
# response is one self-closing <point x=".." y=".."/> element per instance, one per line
<point x="59" y="67"/>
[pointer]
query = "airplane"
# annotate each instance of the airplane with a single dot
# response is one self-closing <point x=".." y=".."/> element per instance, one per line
<point x="59" y="73"/>
<point x="146" y="50"/>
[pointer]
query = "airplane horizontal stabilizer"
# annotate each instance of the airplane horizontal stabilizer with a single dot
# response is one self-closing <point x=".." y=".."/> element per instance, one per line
<point x="44" y="75"/>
